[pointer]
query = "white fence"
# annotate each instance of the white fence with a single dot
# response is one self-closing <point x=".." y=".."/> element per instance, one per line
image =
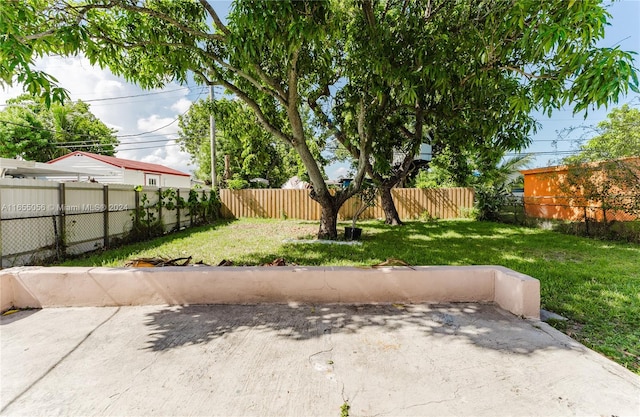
<point x="41" y="220"/>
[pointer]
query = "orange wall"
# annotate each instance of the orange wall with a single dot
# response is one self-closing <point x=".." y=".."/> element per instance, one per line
<point x="545" y="199"/>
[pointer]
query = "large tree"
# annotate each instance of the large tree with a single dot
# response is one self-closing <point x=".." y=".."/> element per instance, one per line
<point x="465" y="77"/>
<point x="241" y="143"/>
<point x="371" y="58"/>
<point x="31" y="130"/>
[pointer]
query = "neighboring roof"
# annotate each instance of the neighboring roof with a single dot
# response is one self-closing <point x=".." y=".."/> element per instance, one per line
<point x="15" y="167"/>
<point x="126" y="163"/>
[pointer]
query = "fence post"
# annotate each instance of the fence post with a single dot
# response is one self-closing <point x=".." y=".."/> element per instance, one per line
<point x="136" y="217"/>
<point x="61" y="238"/>
<point x="178" y="208"/>
<point x="586" y="221"/>
<point x="160" y="206"/>
<point x="105" y="220"/>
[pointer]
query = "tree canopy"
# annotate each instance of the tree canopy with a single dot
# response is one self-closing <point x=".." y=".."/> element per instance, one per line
<point x="32" y="131"/>
<point x="619" y="137"/>
<point x="251" y="152"/>
<point x="361" y="65"/>
<point x="30" y="29"/>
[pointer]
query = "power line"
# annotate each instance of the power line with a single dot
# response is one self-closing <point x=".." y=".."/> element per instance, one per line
<point x="94" y="100"/>
<point x="135" y="95"/>
<point x="89" y="135"/>
<point x="147" y="147"/>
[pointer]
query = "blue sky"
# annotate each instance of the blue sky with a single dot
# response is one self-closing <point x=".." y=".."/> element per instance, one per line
<point x="147" y="120"/>
<point x="624" y="32"/>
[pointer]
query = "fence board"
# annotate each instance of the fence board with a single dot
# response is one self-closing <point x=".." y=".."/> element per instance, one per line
<point x="411" y="203"/>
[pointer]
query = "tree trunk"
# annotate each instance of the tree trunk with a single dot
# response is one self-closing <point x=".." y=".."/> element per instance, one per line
<point x="328" y="220"/>
<point x="391" y="215"/>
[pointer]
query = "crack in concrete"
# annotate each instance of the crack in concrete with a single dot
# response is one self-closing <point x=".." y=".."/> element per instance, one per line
<point x="55" y="365"/>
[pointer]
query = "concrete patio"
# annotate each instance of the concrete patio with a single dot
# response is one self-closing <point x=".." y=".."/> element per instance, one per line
<point x="302" y="360"/>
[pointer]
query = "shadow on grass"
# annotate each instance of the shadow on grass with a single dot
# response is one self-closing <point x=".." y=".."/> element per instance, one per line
<point x="483" y="325"/>
<point x="125" y="251"/>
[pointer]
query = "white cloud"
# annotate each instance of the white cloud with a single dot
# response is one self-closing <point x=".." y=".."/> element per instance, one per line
<point x="181" y="106"/>
<point x="158" y="125"/>
<point x="339" y="172"/>
<point x="125" y="107"/>
<point x="169" y="156"/>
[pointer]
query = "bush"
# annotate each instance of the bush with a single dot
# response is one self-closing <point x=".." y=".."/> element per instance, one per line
<point x="237" y="183"/>
<point x="490" y="200"/>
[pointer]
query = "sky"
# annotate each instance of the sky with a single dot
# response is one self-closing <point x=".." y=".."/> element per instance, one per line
<point x="147" y="120"/>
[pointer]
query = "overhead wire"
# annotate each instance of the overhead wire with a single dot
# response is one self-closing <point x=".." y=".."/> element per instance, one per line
<point x="94" y="100"/>
<point x="94" y="142"/>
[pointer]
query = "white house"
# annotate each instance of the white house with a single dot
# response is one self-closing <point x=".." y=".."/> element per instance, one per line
<point x="112" y="170"/>
<point x="16" y="168"/>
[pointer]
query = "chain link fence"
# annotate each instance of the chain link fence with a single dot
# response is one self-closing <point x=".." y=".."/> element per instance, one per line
<point x="43" y="221"/>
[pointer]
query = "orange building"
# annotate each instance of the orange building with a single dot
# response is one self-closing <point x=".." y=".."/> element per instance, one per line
<point x="548" y="196"/>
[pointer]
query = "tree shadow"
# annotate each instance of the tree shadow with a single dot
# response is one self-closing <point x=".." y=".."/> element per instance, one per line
<point x="483" y="325"/>
<point x="126" y="250"/>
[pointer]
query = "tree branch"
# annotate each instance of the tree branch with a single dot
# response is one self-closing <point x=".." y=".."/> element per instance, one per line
<point x="367" y="8"/>
<point x="214" y="16"/>
<point x="292" y="81"/>
<point x="328" y="124"/>
<point x="168" y="19"/>
<point x="256" y="110"/>
<point x="279" y="94"/>
<point x="528" y="75"/>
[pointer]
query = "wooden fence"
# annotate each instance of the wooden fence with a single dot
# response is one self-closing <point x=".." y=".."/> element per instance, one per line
<point x="411" y="203"/>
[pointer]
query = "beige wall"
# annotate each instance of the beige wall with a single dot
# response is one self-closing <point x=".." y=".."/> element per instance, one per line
<point x="66" y="287"/>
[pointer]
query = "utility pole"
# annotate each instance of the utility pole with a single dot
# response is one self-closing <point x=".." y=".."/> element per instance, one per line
<point x="212" y="134"/>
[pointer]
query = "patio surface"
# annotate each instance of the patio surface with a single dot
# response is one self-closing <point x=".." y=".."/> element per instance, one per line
<point x="302" y="360"/>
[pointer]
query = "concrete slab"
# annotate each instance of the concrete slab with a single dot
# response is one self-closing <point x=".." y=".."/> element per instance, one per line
<point x="302" y="360"/>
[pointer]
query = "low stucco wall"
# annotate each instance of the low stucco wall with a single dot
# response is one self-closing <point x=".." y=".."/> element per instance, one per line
<point x="75" y="287"/>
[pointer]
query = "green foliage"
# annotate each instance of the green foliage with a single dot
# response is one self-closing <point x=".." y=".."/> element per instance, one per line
<point x="427" y="217"/>
<point x="32" y="131"/>
<point x="203" y="209"/>
<point x="490" y="200"/>
<point x="619" y="137"/>
<point x="145" y="222"/>
<point x="494" y="186"/>
<point x="29" y="29"/>
<point x="252" y="151"/>
<point x="378" y="75"/>
<point x="237" y="184"/>
<point x="344" y="409"/>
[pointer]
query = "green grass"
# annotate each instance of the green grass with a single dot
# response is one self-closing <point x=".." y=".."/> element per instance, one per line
<point x="596" y="284"/>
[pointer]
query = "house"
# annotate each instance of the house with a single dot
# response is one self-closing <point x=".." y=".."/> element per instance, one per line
<point x="112" y="170"/>
<point x="19" y="169"/>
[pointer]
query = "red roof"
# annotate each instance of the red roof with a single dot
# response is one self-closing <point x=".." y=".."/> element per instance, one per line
<point x="126" y="163"/>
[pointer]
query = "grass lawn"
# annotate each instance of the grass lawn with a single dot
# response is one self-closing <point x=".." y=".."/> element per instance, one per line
<point x="596" y="284"/>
